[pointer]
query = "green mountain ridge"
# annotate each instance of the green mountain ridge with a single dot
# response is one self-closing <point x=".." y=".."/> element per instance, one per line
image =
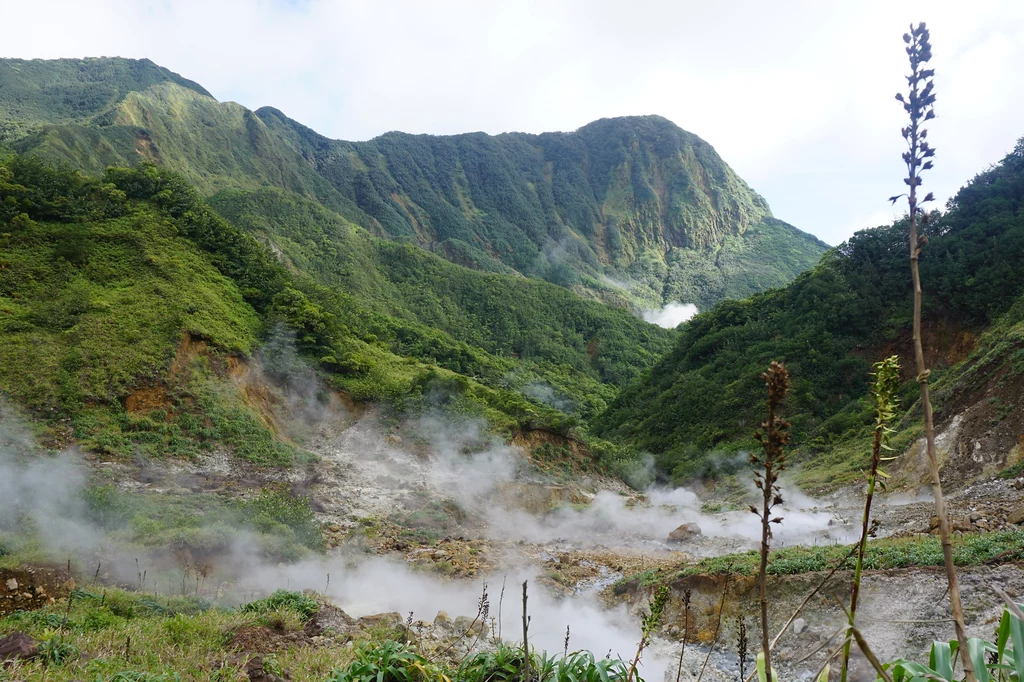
<point x="104" y="283"/>
<point x="701" y="403"/>
<point x="634" y="201"/>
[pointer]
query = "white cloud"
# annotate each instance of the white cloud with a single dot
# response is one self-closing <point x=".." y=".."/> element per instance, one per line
<point x="796" y="96"/>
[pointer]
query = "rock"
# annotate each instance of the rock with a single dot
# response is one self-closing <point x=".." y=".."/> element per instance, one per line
<point x="470" y="626"/>
<point x="1016" y="516"/>
<point x="330" y="619"/>
<point x="443" y="620"/>
<point x="685" y="532"/>
<point x="18" y="645"/>
<point x="934" y="523"/>
<point x="12" y="584"/>
<point x="254" y="668"/>
<point x="799" y="626"/>
<point x="975" y="516"/>
<point x="392" y="619"/>
<point x="1019" y="484"/>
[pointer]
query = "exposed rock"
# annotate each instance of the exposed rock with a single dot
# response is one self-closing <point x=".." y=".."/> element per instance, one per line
<point x="799" y="626"/>
<point x="1018" y="484"/>
<point x="330" y="619"/>
<point x="255" y="669"/>
<point x="12" y="584"/>
<point x="18" y="645"/>
<point x="264" y="640"/>
<point x="470" y="626"/>
<point x="393" y="619"/>
<point x="443" y="620"/>
<point x="1016" y="516"/>
<point x="685" y="532"/>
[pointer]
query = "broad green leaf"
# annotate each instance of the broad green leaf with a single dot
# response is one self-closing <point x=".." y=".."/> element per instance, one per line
<point x="941" y="660"/>
<point x="976" y="649"/>
<point x="1003" y="634"/>
<point x="1017" y="637"/>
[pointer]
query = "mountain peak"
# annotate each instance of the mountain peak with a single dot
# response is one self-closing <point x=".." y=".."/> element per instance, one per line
<point x="632" y="210"/>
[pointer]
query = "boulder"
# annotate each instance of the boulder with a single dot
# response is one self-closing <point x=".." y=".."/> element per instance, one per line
<point x="18" y="645"/>
<point x="470" y="626"/>
<point x="687" y="531"/>
<point x="799" y="626"/>
<point x="1016" y="516"/>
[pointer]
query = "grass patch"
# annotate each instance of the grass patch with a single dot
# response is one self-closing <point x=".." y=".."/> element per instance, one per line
<point x="126" y="636"/>
<point x="886" y="553"/>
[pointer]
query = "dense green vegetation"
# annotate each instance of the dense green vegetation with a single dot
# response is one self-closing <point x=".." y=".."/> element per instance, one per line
<point x="637" y="194"/>
<point x="102" y="279"/>
<point x="466" y="321"/>
<point x="631" y="210"/>
<point x="35" y="92"/>
<point x="702" y="401"/>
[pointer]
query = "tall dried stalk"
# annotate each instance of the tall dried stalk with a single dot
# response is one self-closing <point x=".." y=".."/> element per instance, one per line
<point x="526" y="644"/>
<point x="887" y="382"/>
<point x="919" y="105"/>
<point x="686" y="631"/>
<point x="771" y="462"/>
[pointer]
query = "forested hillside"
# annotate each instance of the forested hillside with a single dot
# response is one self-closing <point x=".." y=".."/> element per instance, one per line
<point x="107" y="286"/>
<point x="633" y="211"/>
<point x="701" y="404"/>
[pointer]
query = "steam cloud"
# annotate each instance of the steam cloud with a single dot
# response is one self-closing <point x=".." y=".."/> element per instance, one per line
<point x="671" y="315"/>
<point x="369" y="468"/>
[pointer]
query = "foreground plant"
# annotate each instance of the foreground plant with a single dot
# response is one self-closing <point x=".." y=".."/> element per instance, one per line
<point x="771" y="463"/>
<point x="919" y="104"/>
<point x="1002" y="660"/>
<point x="883" y="391"/>
<point x="648" y="624"/>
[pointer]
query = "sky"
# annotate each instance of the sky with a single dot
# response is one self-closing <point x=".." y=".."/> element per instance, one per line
<point x="798" y="97"/>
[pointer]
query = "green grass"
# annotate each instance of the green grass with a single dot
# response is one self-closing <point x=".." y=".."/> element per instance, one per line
<point x="283" y="527"/>
<point x="886" y="553"/>
<point x="133" y="636"/>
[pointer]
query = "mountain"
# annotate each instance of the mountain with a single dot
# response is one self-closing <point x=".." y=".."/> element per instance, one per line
<point x="700" y="405"/>
<point x="133" y="318"/>
<point x="633" y="211"/>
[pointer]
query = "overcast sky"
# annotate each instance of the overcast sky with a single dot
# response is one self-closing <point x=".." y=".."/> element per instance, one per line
<point x="796" y="96"/>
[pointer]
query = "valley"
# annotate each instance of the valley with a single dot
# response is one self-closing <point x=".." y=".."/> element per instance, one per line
<point x="278" y="406"/>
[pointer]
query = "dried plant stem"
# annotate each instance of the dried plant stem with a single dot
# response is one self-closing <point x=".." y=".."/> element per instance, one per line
<point x="686" y="631"/>
<point x="808" y="598"/>
<point x="526" y="645"/>
<point x="1013" y="608"/>
<point x="771" y="464"/>
<point x="865" y="649"/>
<point x="501" y="600"/>
<point x="918" y="158"/>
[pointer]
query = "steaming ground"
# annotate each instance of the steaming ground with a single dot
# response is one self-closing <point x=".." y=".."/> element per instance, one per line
<point x="586" y="532"/>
